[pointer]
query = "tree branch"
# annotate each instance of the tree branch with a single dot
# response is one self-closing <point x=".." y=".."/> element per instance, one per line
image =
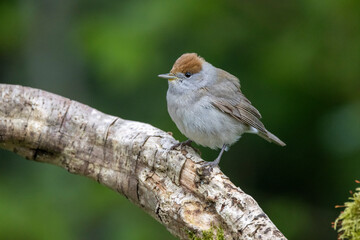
<point x="131" y="158"/>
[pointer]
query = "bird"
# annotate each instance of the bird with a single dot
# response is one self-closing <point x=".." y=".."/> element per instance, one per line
<point x="208" y="107"/>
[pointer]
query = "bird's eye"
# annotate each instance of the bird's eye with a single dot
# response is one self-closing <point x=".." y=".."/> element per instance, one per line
<point x="187" y="74"/>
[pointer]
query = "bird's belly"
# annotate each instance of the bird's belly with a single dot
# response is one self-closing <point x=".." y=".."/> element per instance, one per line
<point x="204" y="124"/>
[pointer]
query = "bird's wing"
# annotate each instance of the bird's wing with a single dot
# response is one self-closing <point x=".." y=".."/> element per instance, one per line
<point x="230" y="100"/>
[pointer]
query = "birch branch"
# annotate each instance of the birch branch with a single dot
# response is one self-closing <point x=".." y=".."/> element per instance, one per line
<point x="133" y="159"/>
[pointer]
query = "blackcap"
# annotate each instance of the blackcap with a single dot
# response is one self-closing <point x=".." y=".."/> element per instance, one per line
<point x="208" y="107"/>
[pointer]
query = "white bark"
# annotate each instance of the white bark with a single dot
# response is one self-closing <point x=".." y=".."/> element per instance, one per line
<point x="131" y="158"/>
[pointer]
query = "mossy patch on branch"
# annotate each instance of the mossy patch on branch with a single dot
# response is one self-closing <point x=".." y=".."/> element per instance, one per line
<point x="214" y="233"/>
<point x="348" y="222"/>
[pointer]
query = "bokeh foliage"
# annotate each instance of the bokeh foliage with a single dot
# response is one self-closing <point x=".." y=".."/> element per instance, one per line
<point x="298" y="62"/>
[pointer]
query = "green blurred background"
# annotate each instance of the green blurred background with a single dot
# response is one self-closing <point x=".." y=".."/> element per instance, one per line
<point x="298" y="62"/>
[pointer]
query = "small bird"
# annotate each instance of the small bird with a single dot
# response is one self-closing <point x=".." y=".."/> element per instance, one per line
<point x="208" y="107"/>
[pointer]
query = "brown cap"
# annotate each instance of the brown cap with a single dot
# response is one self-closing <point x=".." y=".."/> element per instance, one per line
<point x="188" y="62"/>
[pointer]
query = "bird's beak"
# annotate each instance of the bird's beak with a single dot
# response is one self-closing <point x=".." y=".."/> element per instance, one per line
<point x="168" y="76"/>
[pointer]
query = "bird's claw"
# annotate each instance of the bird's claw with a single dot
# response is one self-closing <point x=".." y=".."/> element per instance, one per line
<point x="205" y="171"/>
<point x="181" y="144"/>
<point x="185" y="143"/>
<point x="210" y="165"/>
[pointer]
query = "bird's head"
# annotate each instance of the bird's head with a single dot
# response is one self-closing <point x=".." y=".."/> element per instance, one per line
<point x="189" y="71"/>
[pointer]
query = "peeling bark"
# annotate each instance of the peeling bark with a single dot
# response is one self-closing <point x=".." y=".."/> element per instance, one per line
<point x="131" y="158"/>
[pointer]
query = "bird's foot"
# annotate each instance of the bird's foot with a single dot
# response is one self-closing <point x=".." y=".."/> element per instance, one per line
<point x="185" y="143"/>
<point x="211" y="165"/>
<point x="181" y="144"/>
<point x="206" y="169"/>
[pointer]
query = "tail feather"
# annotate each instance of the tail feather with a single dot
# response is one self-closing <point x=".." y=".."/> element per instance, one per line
<point x="271" y="138"/>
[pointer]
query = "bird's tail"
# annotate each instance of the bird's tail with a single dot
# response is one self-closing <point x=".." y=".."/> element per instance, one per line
<point x="271" y="138"/>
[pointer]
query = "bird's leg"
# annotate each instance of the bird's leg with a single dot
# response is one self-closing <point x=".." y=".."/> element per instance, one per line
<point x="217" y="160"/>
<point x="181" y="144"/>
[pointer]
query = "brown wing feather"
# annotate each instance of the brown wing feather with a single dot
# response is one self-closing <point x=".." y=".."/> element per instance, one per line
<point x="241" y="114"/>
<point x="230" y="100"/>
